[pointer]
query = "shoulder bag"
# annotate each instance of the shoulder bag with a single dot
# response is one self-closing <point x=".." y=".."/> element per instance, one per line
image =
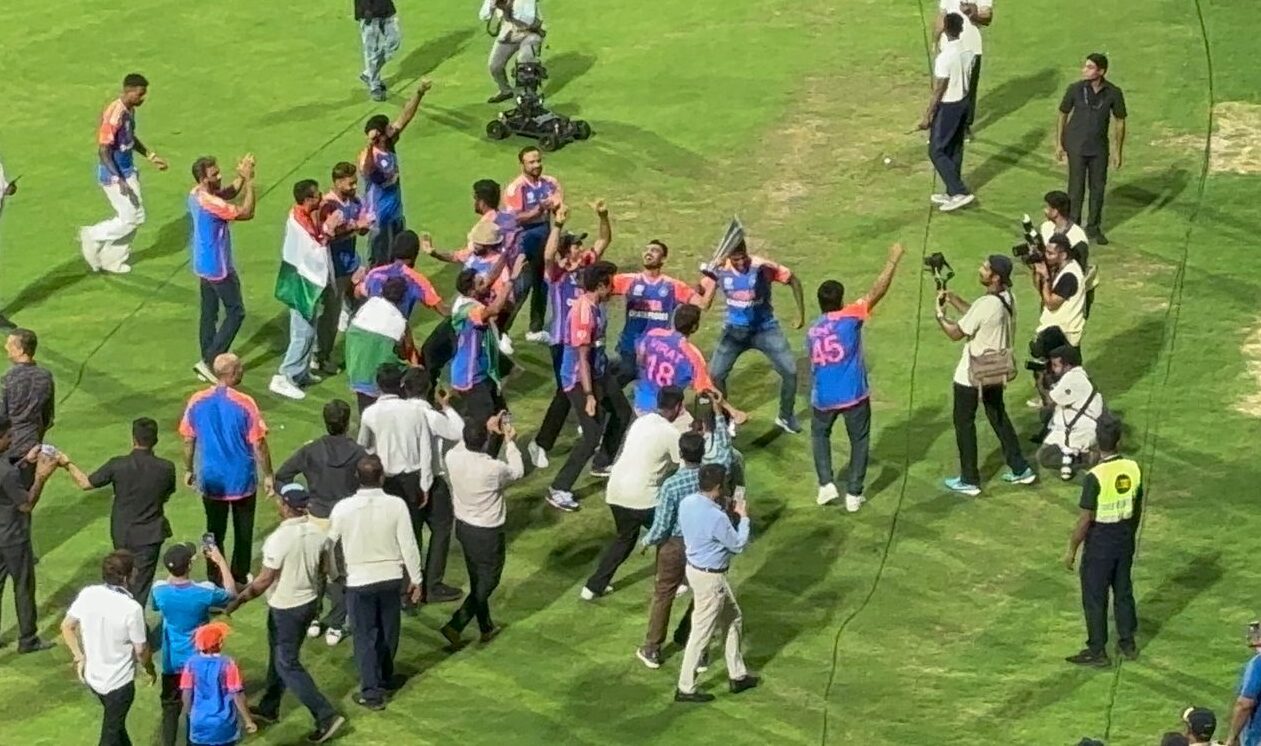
<point x="994" y="367"/>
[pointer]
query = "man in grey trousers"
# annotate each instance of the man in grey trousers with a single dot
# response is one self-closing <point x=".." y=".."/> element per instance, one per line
<point x="381" y="38"/>
<point x="520" y="32"/>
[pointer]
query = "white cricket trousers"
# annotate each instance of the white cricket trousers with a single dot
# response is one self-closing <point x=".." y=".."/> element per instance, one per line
<point x="107" y="245"/>
<point x="716" y="610"/>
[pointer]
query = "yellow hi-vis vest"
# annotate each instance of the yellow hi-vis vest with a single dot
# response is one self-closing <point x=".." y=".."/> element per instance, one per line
<point x="1119" y="480"/>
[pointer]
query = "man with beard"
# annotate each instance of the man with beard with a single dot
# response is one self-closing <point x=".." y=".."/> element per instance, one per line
<point x="344" y="220"/>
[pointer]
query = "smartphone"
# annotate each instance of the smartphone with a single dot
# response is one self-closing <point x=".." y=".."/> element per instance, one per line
<point x="207" y="541"/>
<point x="49" y="450"/>
<point x="505" y="419"/>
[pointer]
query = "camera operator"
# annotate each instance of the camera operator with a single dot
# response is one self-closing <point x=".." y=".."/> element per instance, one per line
<point x="1058" y="212"/>
<point x="1070" y="439"/>
<point x="1060" y="282"/>
<point x="520" y="32"/>
<point x="982" y="373"/>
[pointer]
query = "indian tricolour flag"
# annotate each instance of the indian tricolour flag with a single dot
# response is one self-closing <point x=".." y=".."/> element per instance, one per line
<point x="374" y="332"/>
<point x="304" y="269"/>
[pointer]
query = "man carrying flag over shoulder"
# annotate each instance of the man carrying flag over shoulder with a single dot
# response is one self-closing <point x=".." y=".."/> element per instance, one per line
<point x="305" y="275"/>
<point x="373" y="339"/>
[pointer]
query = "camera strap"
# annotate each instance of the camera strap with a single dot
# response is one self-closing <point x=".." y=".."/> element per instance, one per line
<point x="1081" y="412"/>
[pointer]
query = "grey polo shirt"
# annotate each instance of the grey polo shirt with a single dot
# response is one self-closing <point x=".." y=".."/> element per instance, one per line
<point x="1090" y="114"/>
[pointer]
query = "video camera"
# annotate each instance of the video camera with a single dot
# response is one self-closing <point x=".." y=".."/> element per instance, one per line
<point x="939" y="268"/>
<point x="1033" y="249"/>
<point x="529" y="77"/>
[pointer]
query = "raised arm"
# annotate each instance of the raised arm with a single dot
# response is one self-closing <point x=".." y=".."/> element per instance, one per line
<point x="604" y="236"/>
<point x="412" y="106"/>
<point x="249" y="198"/>
<point x="426" y="245"/>
<point x="881" y="287"/>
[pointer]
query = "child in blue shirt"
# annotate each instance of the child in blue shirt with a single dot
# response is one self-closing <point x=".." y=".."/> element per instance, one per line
<point x="214" y="693"/>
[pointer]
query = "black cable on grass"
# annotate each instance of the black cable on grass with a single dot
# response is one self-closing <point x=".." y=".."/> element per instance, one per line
<point x="906" y="458"/>
<point x="1173" y="313"/>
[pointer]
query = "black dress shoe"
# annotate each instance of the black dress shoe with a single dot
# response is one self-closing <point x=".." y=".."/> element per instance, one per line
<point x="743" y="684"/>
<point x="693" y="697"/>
<point x="453" y="636"/>
<point x="491" y="635"/>
<point x="441" y="593"/>
<point x="35" y="647"/>
<point x="1097" y="238"/>
<point x="376" y="705"/>
<point x="1090" y="658"/>
<point x="500" y="97"/>
<point x="1129" y="651"/>
<point x="264" y="717"/>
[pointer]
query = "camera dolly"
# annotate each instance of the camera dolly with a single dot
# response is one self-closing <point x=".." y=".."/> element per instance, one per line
<point x="530" y="118"/>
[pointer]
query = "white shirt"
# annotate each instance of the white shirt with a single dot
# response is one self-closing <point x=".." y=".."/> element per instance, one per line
<point x="446" y="428"/>
<point x="111" y="625"/>
<point x="1075" y="234"/>
<point x="397" y="431"/>
<point x="971" y="36"/>
<point x="1070" y="317"/>
<point x="953" y="64"/>
<point x="478" y="481"/>
<point x="296" y="550"/>
<point x="650" y="451"/>
<point x="1070" y="394"/>
<point x="375" y="530"/>
<point x="988" y="326"/>
<point x="525" y="13"/>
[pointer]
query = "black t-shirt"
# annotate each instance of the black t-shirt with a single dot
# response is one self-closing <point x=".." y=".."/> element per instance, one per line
<point x="369" y="9"/>
<point x="1090" y="113"/>
<point x="15" y="526"/>
<point x="1109" y="539"/>
<point x="1066" y="286"/>
<point x="142" y="485"/>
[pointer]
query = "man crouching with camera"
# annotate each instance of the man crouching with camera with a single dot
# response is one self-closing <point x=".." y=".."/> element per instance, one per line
<point x="1061" y="286"/>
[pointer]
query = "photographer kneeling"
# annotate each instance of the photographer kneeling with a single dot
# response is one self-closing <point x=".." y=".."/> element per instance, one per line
<point x="1070" y="441"/>
<point x="1061" y="286"/>
<point x="984" y="368"/>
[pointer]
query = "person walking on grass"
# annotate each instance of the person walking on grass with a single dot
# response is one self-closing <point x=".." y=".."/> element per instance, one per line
<point x="214" y="692"/>
<point x="381" y="38"/>
<point x="946" y="117"/>
<point x="304" y="284"/>
<point x="379" y="167"/>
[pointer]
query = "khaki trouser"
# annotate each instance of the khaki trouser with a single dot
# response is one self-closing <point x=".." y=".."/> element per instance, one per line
<point x="716" y="610"/>
<point x="525" y="44"/>
<point x="671" y="564"/>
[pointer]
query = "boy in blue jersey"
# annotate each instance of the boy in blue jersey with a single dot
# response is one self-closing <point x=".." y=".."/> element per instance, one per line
<point x="839" y="387"/>
<point x="378" y="164"/>
<point x="214" y="692"/>
<point x="745" y="282"/>
<point x="184" y="605"/>
<point x="475" y="367"/>
<point x="344" y="219"/>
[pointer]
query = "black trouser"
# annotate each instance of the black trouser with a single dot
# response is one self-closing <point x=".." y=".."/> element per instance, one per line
<point x="364" y="401"/>
<point x="482" y="402"/>
<point x="611" y="404"/>
<point x="484" y="553"/>
<point x="18" y="562"/>
<point x="858" y="428"/>
<point x="242" y="534"/>
<point x="381" y="239"/>
<point x="147" y="556"/>
<point x="439" y="515"/>
<point x="437" y="350"/>
<point x="407" y="486"/>
<point x="945" y="146"/>
<point x="626" y="522"/>
<point x="172" y="700"/>
<point x="966" y="399"/>
<point x="376" y="615"/>
<point x="217" y="339"/>
<point x="1083" y="170"/>
<point x="286" y="631"/>
<point x="335" y="592"/>
<point x="1098" y="574"/>
<point x="114" y="722"/>
<point x="557" y="410"/>
<point x="974" y="78"/>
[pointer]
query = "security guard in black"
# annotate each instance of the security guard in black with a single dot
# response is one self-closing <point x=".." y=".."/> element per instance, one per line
<point x="1111" y="507"/>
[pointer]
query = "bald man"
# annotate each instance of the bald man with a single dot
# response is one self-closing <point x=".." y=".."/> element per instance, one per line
<point x="225" y="447"/>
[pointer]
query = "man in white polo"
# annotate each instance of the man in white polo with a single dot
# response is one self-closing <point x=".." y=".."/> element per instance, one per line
<point x="976" y="13"/>
<point x="946" y="115"/>
<point x="105" y="632"/>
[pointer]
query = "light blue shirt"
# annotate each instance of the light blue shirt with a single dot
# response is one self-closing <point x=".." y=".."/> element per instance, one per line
<point x="1250" y="688"/>
<point x="710" y="540"/>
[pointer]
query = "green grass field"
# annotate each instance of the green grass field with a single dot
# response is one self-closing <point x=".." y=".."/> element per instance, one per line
<point x="926" y="618"/>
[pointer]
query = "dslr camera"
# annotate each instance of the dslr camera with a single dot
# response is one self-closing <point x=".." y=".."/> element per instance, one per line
<point x="1033" y="249"/>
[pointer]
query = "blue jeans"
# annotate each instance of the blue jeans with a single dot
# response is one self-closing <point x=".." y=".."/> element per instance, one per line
<point x="771" y="342"/>
<point x="531" y="242"/>
<point x="381" y="39"/>
<point x="297" y="362"/>
<point x="286" y="631"/>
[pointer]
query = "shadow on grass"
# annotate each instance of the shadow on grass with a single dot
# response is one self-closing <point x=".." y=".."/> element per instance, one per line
<point x="1010" y="95"/>
<point x="1126" y="357"/>
<point x="1149" y="192"/>
<point x="429" y="56"/>
<point x="564" y="69"/>
<point x="1006" y="157"/>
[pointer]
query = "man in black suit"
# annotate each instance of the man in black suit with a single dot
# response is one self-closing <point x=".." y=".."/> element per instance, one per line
<point x="142" y="484"/>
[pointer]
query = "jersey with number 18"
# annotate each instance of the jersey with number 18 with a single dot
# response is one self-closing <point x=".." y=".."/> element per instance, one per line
<point x="836" y="358"/>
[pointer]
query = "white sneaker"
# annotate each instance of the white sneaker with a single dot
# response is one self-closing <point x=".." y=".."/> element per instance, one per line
<point x="542" y="338"/>
<point x="537" y="455"/>
<point x="957" y="201"/>
<point x="90" y="248"/>
<point x="121" y="269"/>
<point x="1034" y="403"/>
<point x="333" y="636"/>
<point x="505" y="346"/>
<point x="204" y="372"/>
<point x="282" y="386"/>
<point x="314" y="630"/>
<point x="586" y="595"/>
<point x="681" y="590"/>
<point x="939" y="199"/>
<point x="827" y="493"/>
<point x="343" y="321"/>
<point x="854" y="502"/>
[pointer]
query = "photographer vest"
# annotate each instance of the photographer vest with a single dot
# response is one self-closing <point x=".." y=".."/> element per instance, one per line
<point x="1070" y="317"/>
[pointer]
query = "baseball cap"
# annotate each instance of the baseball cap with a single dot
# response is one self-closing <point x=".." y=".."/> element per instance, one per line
<point x="179" y="557"/>
<point x="1200" y="721"/>
<point x="295" y="496"/>
<point x="1001" y="266"/>
<point x="485" y="233"/>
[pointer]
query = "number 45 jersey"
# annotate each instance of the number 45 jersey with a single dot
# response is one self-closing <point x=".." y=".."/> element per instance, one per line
<point x="666" y="358"/>
<point x="836" y="358"/>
